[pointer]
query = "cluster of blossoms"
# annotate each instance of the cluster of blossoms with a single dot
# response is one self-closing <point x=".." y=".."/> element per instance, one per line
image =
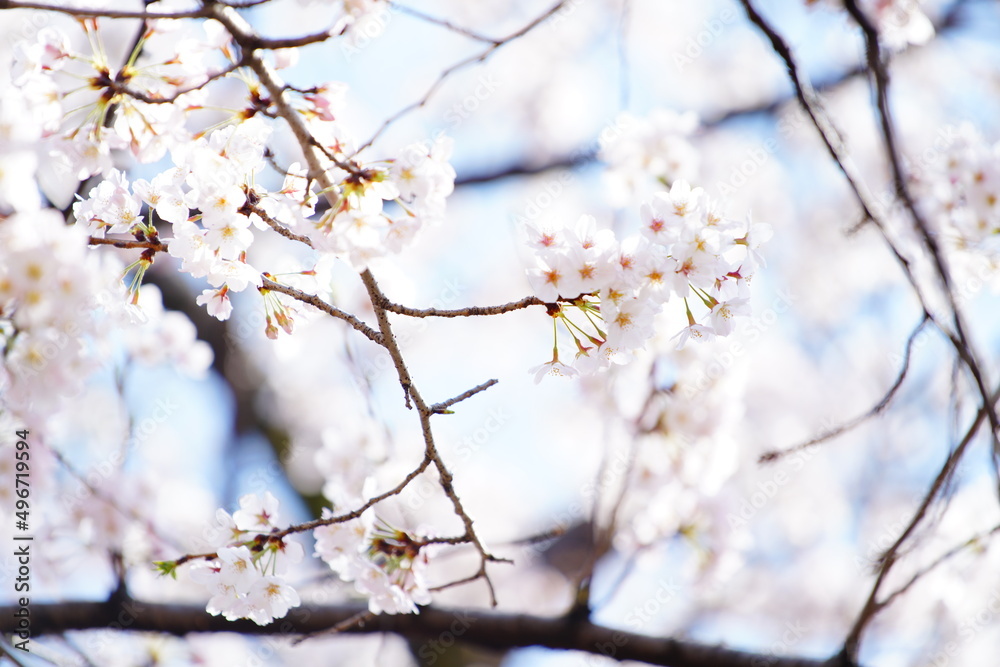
<point x="77" y="135"/>
<point x="211" y="197"/>
<point x="386" y="564"/>
<point x="61" y="306"/>
<point x="51" y="291"/>
<point x="211" y="175"/>
<point x="966" y="192"/>
<point x="616" y="289"/>
<point x="657" y="147"/>
<point x="686" y="456"/>
<point x="960" y="192"/>
<point x="246" y="576"/>
<point x="359" y="228"/>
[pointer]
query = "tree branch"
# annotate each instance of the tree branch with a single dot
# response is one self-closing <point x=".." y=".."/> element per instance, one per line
<point x="873" y="605"/>
<point x="948" y="21"/>
<point x="82" y="12"/>
<point x="959" y="339"/>
<point x="475" y="58"/>
<point x="431" y="625"/>
<point x="840" y="429"/>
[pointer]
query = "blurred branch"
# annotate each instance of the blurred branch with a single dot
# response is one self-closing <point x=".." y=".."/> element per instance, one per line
<point x="826" y="130"/>
<point x="471" y="34"/>
<point x="775" y="454"/>
<point x="949" y="21"/>
<point x="877" y="64"/>
<point x="873" y="605"/>
<point x="462" y="64"/>
<point x="970" y="543"/>
<point x="500" y="631"/>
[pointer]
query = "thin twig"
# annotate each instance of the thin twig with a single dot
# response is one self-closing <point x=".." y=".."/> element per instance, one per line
<point x="471" y="311"/>
<point x="424" y="411"/>
<point x="322" y="305"/>
<point x="441" y="407"/>
<point x="471" y="34"/>
<point x="959" y="339"/>
<point x="348" y="623"/>
<point x="872" y="605"/>
<point x="947" y="555"/>
<point x="155" y="99"/>
<point x="280" y="228"/>
<point x="479" y="57"/>
<point x="883" y="403"/>
<point x="156" y="246"/>
<point x="318" y="523"/>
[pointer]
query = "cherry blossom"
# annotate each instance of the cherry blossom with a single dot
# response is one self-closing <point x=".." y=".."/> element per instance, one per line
<point x="269" y="598"/>
<point x="257" y="513"/>
<point x="614" y="290"/>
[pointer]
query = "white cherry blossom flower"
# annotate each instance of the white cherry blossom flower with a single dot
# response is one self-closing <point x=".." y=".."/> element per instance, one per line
<point x="257" y="513"/>
<point x="217" y="302"/>
<point x="269" y="598"/>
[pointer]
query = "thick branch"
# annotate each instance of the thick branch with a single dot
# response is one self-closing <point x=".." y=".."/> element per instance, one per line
<point x="498" y="631"/>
